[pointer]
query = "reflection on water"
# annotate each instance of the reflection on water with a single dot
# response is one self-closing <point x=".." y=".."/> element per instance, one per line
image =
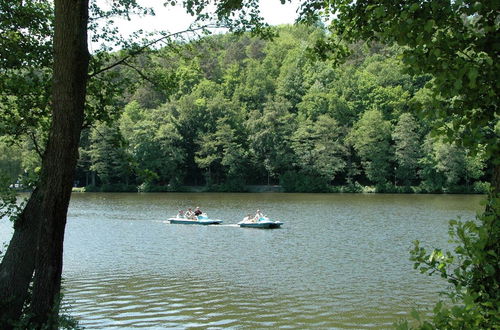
<point x="340" y="260"/>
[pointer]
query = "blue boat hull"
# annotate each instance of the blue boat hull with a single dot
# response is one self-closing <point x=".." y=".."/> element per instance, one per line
<point x="194" y="222"/>
<point x="261" y="224"/>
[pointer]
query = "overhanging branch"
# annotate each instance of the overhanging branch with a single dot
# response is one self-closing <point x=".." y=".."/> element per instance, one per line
<point x="143" y="48"/>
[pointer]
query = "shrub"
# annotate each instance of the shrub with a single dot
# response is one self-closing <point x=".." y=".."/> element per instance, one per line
<point x="481" y="187"/>
<point x="118" y="187"/>
<point x="355" y="187"/>
<point x="472" y="271"/>
<point x="292" y="181"/>
<point x="92" y="188"/>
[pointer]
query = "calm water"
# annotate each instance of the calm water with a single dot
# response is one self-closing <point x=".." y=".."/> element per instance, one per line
<point x="340" y="260"/>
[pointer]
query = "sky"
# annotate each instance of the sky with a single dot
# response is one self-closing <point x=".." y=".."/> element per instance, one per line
<point x="174" y="19"/>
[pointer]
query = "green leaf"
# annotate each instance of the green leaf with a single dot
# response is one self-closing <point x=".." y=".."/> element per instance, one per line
<point x="379" y="12"/>
<point x="468" y="300"/>
<point x="415" y="314"/>
<point x="429" y="25"/>
<point x="472" y="75"/>
<point x="414" y="7"/>
<point x="492" y="253"/>
<point x="438" y="307"/>
<point x="489" y="269"/>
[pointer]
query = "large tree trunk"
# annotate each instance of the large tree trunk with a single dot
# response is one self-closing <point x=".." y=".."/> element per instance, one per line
<point x="71" y="59"/>
<point x="16" y="269"/>
<point x="37" y="243"/>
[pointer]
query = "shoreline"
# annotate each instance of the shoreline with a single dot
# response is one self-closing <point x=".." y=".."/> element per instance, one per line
<point x="280" y="189"/>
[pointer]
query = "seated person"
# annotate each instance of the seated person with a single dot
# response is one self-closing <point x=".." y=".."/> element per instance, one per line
<point x="258" y="216"/>
<point x="180" y="214"/>
<point x="197" y="211"/>
<point x="189" y="214"/>
<point x="248" y="218"/>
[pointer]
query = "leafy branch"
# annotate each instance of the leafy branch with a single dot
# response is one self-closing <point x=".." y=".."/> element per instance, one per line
<point x="472" y="269"/>
<point x="140" y="50"/>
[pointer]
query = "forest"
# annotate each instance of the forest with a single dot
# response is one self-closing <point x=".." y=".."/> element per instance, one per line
<point x="232" y="110"/>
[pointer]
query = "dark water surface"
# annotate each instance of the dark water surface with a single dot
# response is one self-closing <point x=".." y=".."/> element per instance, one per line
<point x="339" y="261"/>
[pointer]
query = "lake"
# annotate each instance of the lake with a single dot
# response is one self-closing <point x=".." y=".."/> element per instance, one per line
<point x="339" y="261"/>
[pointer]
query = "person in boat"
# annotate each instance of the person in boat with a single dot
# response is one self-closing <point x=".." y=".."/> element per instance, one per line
<point x="248" y="218"/>
<point x="258" y="216"/>
<point x="189" y="214"/>
<point x="197" y="211"/>
<point x="180" y="214"/>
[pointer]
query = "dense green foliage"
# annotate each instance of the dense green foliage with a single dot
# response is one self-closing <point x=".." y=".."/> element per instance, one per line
<point x="455" y="41"/>
<point x="471" y="270"/>
<point x="249" y="111"/>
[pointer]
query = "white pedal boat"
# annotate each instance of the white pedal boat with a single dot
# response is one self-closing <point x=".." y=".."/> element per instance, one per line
<point x="199" y="220"/>
<point x="263" y="222"/>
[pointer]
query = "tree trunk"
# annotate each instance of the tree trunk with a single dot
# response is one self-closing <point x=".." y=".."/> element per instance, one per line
<point x="18" y="263"/>
<point x="495" y="180"/>
<point x="71" y="59"/>
<point x="43" y="220"/>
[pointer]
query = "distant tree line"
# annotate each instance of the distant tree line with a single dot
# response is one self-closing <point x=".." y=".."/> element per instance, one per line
<point x="246" y="111"/>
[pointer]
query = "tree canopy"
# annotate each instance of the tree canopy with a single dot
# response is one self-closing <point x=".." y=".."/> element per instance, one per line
<point x="455" y="41"/>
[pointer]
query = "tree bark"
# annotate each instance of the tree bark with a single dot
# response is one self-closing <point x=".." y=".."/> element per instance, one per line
<point x="71" y="60"/>
<point x="37" y="243"/>
<point x="495" y="180"/>
<point x="18" y="263"/>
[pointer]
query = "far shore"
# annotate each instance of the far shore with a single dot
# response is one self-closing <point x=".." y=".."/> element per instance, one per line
<point x="198" y="189"/>
<point x="279" y="189"/>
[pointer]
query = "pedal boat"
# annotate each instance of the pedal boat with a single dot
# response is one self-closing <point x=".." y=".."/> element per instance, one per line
<point x="199" y="220"/>
<point x="263" y="223"/>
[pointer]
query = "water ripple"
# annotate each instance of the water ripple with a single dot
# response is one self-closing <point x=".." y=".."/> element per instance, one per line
<point x="340" y="261"/>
